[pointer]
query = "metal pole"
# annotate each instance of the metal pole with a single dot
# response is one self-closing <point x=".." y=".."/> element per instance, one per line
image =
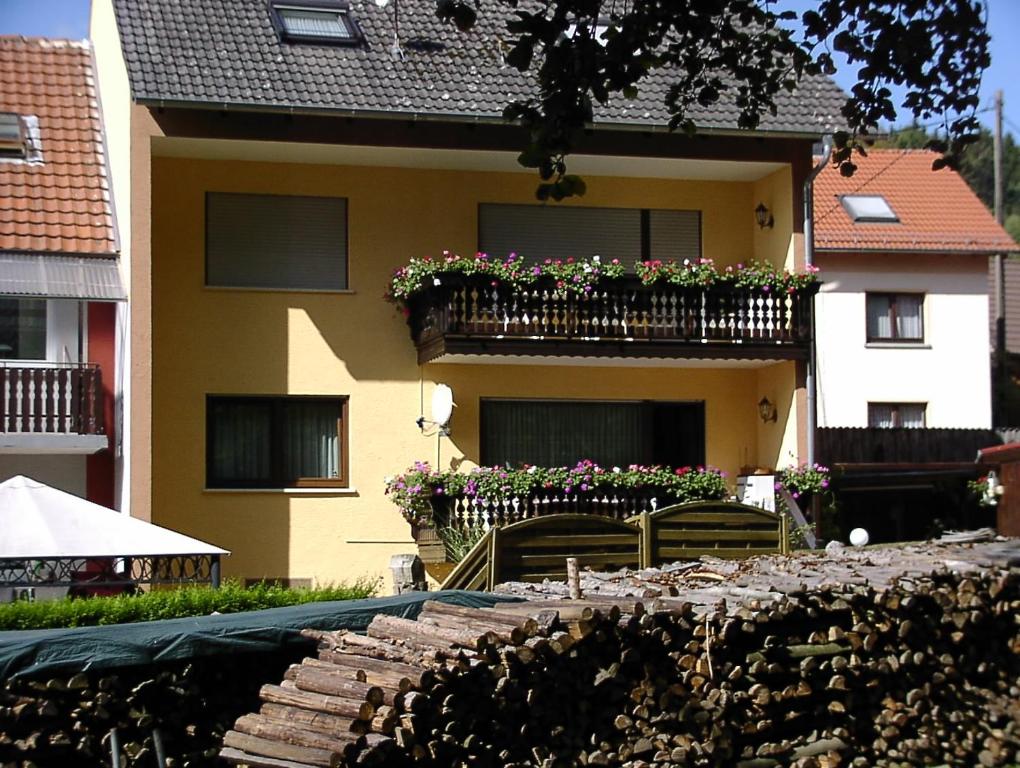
<point x="809" y="259"/>
<point x="997" y="158"/>
<point x="114" y="748"/>
<point x="1001" y="378"/>
<point x="157" y="743"/>
<point x="214" y="572"/>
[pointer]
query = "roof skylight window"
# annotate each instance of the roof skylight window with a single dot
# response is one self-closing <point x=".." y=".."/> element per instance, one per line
<point x="12" y="135"/>
<point x="599" y="33"/>
<point x="315" y="21"/>
<point x="868" y="208"/>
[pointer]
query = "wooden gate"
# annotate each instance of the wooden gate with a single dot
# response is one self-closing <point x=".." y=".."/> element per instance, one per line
<point x="538" y="548"/>
<point x="716" y="528"/>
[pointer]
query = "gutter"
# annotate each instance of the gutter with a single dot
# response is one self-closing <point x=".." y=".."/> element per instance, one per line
<point x="809" y="257"/>
<point x="444" y="117"/>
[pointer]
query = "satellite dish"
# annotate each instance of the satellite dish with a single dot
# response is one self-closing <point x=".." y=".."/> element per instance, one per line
<point x="442" y="405"/>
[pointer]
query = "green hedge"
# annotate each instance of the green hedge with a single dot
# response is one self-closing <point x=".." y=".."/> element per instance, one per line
<point x="170" y="604"/>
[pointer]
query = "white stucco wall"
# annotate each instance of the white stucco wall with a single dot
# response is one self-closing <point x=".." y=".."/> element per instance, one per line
<point x="949" y="371"/>
<point x="115" y="105"/>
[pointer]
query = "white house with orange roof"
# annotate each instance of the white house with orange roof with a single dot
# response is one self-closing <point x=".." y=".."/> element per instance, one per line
<point x="904" y="396"/>
<point x="902" y="316"/>
<point x="60" y="283"/>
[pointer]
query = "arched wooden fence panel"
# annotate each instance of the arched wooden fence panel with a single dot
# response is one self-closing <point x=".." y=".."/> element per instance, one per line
<point x="473" y="571"/>
<point x="716" y="528"/>
<point x="538" y="548"/>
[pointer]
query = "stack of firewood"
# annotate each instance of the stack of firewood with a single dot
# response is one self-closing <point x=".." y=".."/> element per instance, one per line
<point x="179" y="710"/>
<point x="924" y="670"/>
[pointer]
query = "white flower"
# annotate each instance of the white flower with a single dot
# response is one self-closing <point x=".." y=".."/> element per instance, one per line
<point x="587" y="268"/>
<point x="596" y="258"/>
<point x="388" y="479"/>
<point x="435" y="281"/>
<point x="687" y="262"/>
<point x="616" y="470"/>
<point x="532" y="470"/>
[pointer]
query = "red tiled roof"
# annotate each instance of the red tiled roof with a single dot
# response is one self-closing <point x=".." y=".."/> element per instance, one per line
<point x="937" y="211"/>
<point x="61" y="204"/>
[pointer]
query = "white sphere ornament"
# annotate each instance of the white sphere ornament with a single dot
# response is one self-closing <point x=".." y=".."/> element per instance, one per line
<point x="859" y="537"/>
<point x="442" y="405"/>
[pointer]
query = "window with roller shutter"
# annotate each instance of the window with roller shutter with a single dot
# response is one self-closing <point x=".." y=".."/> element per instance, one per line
<point x="284" y="242"/>
<point x="540" y="232"/>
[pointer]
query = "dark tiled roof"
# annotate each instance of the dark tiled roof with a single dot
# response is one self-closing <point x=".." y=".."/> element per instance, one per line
<point x="57" y="200"/>
<point x="226" y="52"/>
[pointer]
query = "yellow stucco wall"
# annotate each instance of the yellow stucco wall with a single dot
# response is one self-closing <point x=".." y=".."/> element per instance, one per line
<point x="778" y="244"/>
<point x="208" y="341"/>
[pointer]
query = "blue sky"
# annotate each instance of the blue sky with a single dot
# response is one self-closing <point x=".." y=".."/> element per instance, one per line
<point x="69" y="18"/>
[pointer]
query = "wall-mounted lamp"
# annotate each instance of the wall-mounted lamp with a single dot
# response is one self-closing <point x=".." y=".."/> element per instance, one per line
<point x="764" y="217"/>
<point x="767" y="410"/>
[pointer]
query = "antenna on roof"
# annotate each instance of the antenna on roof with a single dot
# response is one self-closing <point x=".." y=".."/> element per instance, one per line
<point x="395" y="49"/>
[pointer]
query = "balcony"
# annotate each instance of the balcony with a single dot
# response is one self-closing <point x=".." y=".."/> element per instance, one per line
<point x="468" y="315"/>
<point x="51" y="408"/>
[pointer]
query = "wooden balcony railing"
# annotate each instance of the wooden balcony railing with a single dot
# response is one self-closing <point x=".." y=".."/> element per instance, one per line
<point x="619" y="318"/>
<point x="51" y="399"/>
<point x="620" y="504"/>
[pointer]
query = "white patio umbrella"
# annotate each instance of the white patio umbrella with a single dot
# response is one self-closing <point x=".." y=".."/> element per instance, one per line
<point x="38" y="522"/>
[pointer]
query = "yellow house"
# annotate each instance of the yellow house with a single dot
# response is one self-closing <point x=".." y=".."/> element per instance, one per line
<point x="274" y="163"/>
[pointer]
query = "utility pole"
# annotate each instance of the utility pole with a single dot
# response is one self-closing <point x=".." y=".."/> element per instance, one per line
<point x="1001" y="380"/>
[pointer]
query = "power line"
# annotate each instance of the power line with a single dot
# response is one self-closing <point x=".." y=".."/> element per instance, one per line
<point x="938" y="122"/>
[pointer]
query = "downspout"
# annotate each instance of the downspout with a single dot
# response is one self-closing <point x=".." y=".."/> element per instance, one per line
<point x="809" y="254"/>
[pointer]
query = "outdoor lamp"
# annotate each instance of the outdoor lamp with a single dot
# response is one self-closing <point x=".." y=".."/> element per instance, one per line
<point x="767" y="410"/>
<point x="764" y="217"/>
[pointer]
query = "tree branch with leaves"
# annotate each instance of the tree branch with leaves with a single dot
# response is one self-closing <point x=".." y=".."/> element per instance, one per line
<point x="583" y="53"/>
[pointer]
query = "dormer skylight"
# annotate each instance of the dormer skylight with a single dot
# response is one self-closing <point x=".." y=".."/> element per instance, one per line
<point x="315" y="21"/>
<point x="868" y="208"/>
<point x="599" y="33"/>
<point x="12" y="135"/>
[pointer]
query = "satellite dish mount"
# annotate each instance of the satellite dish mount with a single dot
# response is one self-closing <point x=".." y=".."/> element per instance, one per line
<point x="442" y="411"/>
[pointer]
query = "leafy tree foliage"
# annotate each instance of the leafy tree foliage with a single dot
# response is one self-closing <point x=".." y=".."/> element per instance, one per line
<point x="585" y="52"/>
<point x="976" y="166"/>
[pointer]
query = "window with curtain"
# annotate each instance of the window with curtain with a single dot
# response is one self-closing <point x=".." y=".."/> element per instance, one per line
<point x="286" y="242"/>
<point x="275" y="442"/>
<point x="555" y="433"/>
<point x="895" y="317"/>
<point x="890" y="415"/>
<point x="539" y="232"/>
<point x="22" y="329"/>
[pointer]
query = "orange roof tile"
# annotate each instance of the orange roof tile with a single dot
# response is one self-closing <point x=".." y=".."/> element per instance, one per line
<point x="937" y="211"/>
<point x="60" y="204"/>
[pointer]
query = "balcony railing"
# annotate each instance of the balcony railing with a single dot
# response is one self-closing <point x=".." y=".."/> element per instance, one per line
<point x="620" y="504"/>
<point x="51" y="399"/>
<point x="619" y="318"/>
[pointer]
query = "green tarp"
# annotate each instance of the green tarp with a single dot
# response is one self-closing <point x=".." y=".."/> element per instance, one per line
<point x="35" y="652"/>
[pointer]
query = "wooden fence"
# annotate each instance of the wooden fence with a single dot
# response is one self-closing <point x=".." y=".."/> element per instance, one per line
<point x="537" y="549"/>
